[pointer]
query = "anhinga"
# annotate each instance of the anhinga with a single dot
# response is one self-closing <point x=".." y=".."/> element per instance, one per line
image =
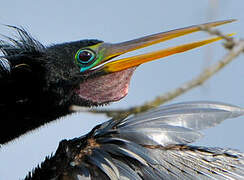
<point x="39" y="84"/>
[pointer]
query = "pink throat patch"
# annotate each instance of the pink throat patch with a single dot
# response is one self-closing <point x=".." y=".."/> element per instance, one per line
<point x="107" y="88"/>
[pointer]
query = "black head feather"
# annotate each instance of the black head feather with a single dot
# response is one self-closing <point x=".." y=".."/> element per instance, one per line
<point x="42" y="82"/>
<point x="38" y="82"/>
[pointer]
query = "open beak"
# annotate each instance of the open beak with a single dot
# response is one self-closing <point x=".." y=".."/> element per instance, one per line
<point x="113" y="50"/>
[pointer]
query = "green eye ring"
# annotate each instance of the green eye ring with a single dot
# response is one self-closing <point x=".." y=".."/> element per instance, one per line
<point x="83" y="57"/>
<point x="93" y="56"/>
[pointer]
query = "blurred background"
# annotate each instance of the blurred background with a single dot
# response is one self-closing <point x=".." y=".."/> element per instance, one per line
<point x="114" y="21"/>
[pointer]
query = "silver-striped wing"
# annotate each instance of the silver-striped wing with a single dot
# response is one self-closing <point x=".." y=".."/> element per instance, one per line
<point x="152" y="145"/>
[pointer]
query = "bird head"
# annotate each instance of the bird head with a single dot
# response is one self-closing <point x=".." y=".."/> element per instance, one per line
<point x="89" y="72"/>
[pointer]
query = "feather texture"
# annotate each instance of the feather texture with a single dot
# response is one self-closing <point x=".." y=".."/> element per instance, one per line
<point x="152" y="145"/>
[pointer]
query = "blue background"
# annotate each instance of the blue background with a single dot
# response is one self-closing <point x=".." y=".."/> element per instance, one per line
<point x="114" y="21"/>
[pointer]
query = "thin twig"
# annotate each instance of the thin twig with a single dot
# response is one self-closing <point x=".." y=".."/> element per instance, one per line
<point x="237" y="47"/>
<point x="229" y="43"/>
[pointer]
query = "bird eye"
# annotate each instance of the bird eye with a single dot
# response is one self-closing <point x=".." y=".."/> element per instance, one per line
<point x="84" y="56"/>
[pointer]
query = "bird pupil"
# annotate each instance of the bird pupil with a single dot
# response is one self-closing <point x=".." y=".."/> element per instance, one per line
<point x="85" y="56"/>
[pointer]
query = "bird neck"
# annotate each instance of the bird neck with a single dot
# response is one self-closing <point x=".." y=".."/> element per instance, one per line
<point x="27" y="102"/>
